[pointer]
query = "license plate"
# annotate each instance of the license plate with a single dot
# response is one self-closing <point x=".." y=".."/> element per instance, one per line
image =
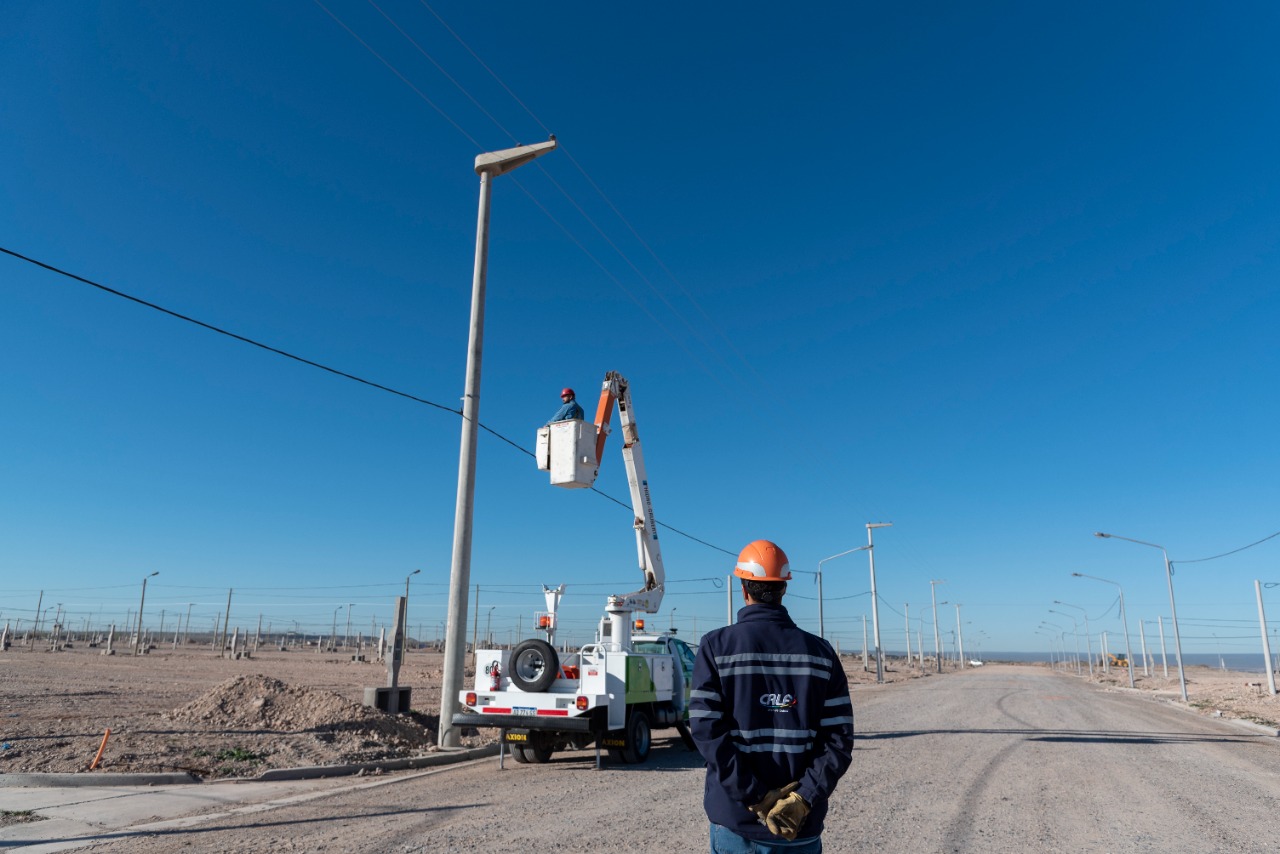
<point x="524" y="710"/>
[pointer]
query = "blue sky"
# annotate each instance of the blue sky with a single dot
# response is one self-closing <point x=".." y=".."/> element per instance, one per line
<point x="1001" y="274"/>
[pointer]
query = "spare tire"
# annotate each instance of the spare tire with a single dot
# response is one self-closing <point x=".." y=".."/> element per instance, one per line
<point x="533" y="665"/>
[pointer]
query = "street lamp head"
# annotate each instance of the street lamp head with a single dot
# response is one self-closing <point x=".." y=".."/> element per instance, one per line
<point x="1100" y="534"/>
<point x="879" y="524"/>
<point x="1077" y="575"/>
<point x="500" y="162"/>
<point x="157" y="572"/>
<point x="415" y="572"/>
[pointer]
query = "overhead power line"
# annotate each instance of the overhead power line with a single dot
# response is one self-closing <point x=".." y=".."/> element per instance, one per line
<point x="1233" y="551"/>
<point x="314" y="364"/>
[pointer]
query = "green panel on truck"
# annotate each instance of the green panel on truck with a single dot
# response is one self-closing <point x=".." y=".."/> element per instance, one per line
<point x="639" y="681"/>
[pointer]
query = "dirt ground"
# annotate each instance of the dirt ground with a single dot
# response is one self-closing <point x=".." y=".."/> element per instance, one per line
<point x="188" y="710"/>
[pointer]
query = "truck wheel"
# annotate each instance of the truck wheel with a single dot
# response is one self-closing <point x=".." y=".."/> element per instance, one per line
<point x="534" y="665"/>
<point x="639" y="738"/>
<point x="539" y="748"/>
<point x="518" y="754"/>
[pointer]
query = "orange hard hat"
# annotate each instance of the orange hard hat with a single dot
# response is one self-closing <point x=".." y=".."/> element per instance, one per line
<point x="763" y="561"/>
<point x="567" y="391"/>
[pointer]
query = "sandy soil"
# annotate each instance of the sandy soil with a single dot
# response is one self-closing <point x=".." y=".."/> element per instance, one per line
<point x="189" y="710"/>
<point x="1213" y="692"/>
<point x="192" y="711"/>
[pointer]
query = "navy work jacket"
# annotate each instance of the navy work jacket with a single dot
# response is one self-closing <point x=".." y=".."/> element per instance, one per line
<point x="769" y="706"/>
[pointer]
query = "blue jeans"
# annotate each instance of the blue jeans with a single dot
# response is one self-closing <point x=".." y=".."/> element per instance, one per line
<point x="725" y="841"/>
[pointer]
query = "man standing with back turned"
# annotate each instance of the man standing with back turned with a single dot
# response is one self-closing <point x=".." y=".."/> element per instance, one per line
<point x="770" y="713"/>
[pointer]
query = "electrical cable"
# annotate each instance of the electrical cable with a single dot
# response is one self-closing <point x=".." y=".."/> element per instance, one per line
<point x="311" y="363"/>
<point x="1233" y="551"/>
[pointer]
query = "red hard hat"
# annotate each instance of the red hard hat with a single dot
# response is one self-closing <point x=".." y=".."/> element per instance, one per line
<point x="763" y="561"/>
<point x="567" y="391"/>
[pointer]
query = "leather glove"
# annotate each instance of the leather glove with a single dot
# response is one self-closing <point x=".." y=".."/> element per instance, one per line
<point x="788" y="816"/>
<point x="762" y="809"/>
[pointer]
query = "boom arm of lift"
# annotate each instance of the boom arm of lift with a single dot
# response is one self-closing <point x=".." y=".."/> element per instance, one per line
<point x="615" y="389"/>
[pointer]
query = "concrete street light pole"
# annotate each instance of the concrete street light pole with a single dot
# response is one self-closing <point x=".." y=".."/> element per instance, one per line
<point x="488" y="166"/>
<point x="1173" y="608"/>
<point x="959" y="637"/>
<point x="404" y="649"/>
<point x="1124" y="619"/>
<point x="937" y="644"/>
<point x="137" y="640"/>
<point x="1075" y="633"/>
<point x="875" y="603"/>
<point x="1088" y="641"/>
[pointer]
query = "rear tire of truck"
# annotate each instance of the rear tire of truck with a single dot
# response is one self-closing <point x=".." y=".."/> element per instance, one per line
<point x="639" y="739"/>
<point x="534" y="665"/>
<point x="539" y="748"/>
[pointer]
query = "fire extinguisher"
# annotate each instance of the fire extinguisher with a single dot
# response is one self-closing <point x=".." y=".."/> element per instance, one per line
<point x="495" y="678"/>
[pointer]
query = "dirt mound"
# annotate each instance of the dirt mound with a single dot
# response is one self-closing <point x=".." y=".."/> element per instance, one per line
<point x="261" y="702"/>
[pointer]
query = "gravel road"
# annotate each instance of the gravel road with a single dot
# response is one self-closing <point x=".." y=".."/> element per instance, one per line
<point x="1002" y="759"/>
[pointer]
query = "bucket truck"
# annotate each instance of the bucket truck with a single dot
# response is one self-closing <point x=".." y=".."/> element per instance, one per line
<point x="612" y="692"/>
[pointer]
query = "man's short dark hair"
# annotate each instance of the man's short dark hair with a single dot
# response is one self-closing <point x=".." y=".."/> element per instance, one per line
<point x="765" y="592"/>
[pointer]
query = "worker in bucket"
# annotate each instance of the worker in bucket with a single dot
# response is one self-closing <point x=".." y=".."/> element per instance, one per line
<point x="771" y="715"/>
<point x="569" y="409"/>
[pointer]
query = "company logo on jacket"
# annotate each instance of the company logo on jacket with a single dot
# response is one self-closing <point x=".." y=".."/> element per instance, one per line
<point x="778" y="702"/>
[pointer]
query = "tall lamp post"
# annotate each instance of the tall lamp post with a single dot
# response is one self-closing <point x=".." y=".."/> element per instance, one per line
<point x="959" y="637"/>
<point x="937" y="645"/>
<point x="1075" y="633"/>
<point x="822" y="631"/>
<point x="1124" y="619"/>
<point x="1088" y="642"/>
<point x="488" y="166"/>
<point x="1173" y="608"/>
<point x="333" y="633"/>
<point x="137" y="640"/>
<point x="875" y="602"/>
<point x="404" y="647"/>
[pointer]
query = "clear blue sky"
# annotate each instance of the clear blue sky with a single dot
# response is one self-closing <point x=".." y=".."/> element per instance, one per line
<point x="1001" y="274"/>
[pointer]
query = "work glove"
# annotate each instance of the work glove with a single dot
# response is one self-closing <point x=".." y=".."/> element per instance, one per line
<point x="762" y="809"/>
<point x="788" y="815"/>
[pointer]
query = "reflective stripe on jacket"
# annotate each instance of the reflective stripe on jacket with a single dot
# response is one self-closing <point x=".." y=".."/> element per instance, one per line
<point x="769" y="706"/>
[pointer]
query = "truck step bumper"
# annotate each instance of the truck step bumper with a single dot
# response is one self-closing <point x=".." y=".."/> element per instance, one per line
<point x="552" y="724"/>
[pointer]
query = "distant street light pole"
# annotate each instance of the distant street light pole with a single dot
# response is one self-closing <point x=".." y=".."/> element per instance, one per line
<point x="346" y="641"/>
<point x="937" y="644"/>
<point x="1124" y="619"/>
<point x="404" y="647"/>
<point x="1266" y="644"/>
<point x="822" y="629"/>
<point x="333" y="634"/>
<point x="137" y="641"/>
<point x="488" y="166"/>
<point x="959" y="637"/>
<point x="1088" y="641"/>
<point x="488" y="626"/>
<point x="875" y="604"/>
<point x="673" y="619"/>
<point x="1173" y="608"/>
<point x="1075" y="633"/>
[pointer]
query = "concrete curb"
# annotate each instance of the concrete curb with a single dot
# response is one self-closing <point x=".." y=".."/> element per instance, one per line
<point x="105" y="778"/>
<point x="57" y="781"/>
<point x="442" y="758"/>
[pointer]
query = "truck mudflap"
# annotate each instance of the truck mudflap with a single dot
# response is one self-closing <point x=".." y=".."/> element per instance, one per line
<point x="551" y="724"/>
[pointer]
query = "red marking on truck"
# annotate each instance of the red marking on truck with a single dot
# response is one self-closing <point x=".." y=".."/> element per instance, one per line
<point x="494" y="710"/>
<point x="559" y="712"/>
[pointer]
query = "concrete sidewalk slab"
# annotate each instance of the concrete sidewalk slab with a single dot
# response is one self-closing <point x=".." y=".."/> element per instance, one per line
<point x="78" y="816"/>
